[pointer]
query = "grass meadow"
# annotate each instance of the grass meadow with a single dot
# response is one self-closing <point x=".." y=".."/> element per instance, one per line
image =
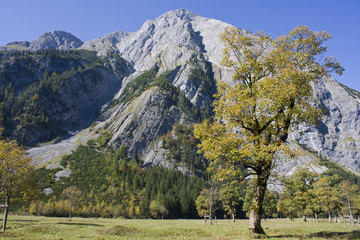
<point x="36" y="227"/>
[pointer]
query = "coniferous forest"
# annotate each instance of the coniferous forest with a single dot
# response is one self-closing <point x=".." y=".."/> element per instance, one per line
<point x="112" y="185"/>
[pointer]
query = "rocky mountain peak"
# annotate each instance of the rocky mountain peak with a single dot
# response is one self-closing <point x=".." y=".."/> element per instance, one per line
<point x="56" y="39"/>
<point x="172" y="17"/>
<point x="51" y="40"/>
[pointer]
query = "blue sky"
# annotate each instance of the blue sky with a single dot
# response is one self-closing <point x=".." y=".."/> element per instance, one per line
<point x="89" y="19"/>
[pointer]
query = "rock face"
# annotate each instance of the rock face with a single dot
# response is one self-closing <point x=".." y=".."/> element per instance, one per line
<point x="337" y="137"/>
<point x="140" y="123"/>
<point x="52" y="40"/>
<point x="186" y="47"/>
<point x="170" y="41"/>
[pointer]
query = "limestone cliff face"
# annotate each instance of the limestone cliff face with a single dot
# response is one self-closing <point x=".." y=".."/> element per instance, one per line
<point x="337" y="137"/>
<point x="187" y="48"/>
<point x="140" y="123"/>
<point x="172" y="40"/>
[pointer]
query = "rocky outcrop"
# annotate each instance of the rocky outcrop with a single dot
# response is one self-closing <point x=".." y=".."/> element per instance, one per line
<point x="52" y="40"/>
<point x="337" y="136"/>
<point x="140" y="123"/>
<point x="105" y="44"/>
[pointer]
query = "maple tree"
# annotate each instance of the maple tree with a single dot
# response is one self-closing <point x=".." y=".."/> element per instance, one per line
<point x="271" y="92"/>
<point x="15" y="169"/>
<point x="231" y="194"/>
<point x="207" y="202"/>
<point x="72" y="194"/>
<point x="298" y="194"/>
<point x="329" y="193"/>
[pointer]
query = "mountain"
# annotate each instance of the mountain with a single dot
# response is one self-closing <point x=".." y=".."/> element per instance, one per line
<point x="139" y="87"/>
<point x="169" y="41"/>
<point x="48" y="93"/>
<point x="52" y="40"/>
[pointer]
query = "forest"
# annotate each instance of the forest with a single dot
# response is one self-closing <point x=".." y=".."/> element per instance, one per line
<point x="108" y="183"/>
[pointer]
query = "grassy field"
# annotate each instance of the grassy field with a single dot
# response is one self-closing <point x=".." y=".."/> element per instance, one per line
<point x="31" y="227"/>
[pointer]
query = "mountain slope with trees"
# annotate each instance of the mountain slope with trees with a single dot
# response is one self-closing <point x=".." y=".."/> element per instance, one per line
<point x="136" y="86"/>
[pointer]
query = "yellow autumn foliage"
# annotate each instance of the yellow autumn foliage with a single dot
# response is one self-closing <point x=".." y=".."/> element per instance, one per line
<point x="270" y="94"/>
<point x="15" y="167"/>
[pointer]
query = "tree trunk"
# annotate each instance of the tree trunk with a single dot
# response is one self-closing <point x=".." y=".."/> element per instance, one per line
<point x="6" y="213"/>
<point x="70" y="211"/>
<point x="352" y="221"/>
<point x="210" y="218"/>
<point x="351" y="215"/>
<point x="330" y="219"/>
<point x="304" y="218"/>
<point x="343" y="216"/>
<point x="257" y="205"/>
<point x="233" y="217"/>
<point x="316" y="217"/>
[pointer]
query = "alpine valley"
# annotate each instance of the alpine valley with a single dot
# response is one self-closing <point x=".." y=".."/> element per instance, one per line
<point x="144" y="90"/>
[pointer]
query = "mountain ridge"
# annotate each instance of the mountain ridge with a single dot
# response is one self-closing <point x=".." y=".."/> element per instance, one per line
<point x="186" y="46"/>
<point x="57" y="39"/>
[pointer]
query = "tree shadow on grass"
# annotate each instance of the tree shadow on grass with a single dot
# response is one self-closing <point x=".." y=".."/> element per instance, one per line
<point x="80" y="224"/>
<point x="325" y="235"/>
<point x="342" y="235"/>
<point x="284" y="236"/>
<point x="10" y="235"/>
<point x="17" y="220"/>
